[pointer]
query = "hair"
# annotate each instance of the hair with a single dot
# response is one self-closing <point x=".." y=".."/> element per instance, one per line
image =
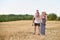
<point x="37" y="10"/>
<point x="44" y="13"/>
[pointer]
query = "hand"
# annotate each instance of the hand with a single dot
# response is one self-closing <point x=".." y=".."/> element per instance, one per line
<point x="32" y="24"/>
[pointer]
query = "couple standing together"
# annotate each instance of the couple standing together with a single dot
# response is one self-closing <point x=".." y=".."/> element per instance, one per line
<point x="40" y="21"/>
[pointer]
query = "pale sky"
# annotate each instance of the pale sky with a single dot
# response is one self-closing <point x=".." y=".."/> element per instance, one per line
<point x="29" y="6"/>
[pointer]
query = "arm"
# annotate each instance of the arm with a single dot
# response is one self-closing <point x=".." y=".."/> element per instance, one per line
<point x="46" y="17"/>
<point x="40" y="18"/>
<point x="33" y="22"/>
<point x="33" y="19"/>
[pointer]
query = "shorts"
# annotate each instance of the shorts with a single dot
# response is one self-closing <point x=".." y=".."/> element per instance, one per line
<point x="37" y="24"/>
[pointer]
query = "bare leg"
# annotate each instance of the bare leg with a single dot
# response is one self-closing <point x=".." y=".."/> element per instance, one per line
<point x="34" y="29"/>
<point x="39" y="30"/>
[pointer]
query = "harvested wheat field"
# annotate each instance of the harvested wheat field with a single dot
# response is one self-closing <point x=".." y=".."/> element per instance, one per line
<point x="23" y="30"/>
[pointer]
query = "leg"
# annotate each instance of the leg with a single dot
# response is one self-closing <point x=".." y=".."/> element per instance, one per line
<point x="34" y="29"/>
<point x="38" y="30"/>
<point x="42" y="29"/>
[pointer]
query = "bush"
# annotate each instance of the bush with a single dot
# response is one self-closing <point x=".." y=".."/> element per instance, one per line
<point x="58" y="18"/>
<point x="52" y="16"/>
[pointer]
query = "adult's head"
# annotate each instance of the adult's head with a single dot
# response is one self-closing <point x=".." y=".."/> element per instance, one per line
<point x="44" y="13"/>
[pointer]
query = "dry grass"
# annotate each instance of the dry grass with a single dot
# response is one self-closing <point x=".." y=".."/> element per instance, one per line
<point x="23" y="30"/>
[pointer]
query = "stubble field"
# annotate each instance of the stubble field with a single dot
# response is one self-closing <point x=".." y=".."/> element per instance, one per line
<point x="23" y="30"/>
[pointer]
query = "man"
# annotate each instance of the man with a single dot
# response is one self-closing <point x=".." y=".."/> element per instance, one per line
<point x="36" y="21"/>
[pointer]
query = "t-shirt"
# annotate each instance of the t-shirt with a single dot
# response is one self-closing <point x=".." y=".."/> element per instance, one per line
<point x="37" y="19"/>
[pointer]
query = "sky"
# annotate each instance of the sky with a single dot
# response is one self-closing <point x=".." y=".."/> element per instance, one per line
<point x="29" y="6"/>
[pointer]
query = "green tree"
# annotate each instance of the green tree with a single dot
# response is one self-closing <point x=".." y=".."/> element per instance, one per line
<point x="58" y="18"/>
<point x="52" y="16"/>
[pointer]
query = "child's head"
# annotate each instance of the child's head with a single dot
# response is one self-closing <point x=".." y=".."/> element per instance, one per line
<point x="37" y="13"/>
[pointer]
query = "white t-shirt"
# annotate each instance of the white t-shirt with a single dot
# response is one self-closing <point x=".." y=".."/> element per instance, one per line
<point x="37" y="19"/>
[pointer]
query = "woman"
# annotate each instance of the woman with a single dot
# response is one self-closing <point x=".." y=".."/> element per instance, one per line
<point x="43" y="23"/>
<point x="36" y="21"/>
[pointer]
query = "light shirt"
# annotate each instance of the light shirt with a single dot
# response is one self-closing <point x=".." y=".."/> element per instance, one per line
<point x="37" y="19"/>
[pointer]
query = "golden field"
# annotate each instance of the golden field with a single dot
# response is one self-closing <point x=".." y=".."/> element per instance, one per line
<point x="23" y="30"/>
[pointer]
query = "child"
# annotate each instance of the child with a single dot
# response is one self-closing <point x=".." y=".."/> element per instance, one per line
<point x="36" y="21"/>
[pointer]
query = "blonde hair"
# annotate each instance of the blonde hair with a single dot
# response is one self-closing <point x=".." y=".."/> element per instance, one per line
<point x="44" y="13"/>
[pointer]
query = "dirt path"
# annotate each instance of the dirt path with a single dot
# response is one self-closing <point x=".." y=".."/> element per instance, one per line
<point x="23" y="30"/>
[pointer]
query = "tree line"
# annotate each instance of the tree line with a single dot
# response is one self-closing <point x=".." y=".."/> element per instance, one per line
<point x="12" y="17"/>
<point x="53" y="16"/>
